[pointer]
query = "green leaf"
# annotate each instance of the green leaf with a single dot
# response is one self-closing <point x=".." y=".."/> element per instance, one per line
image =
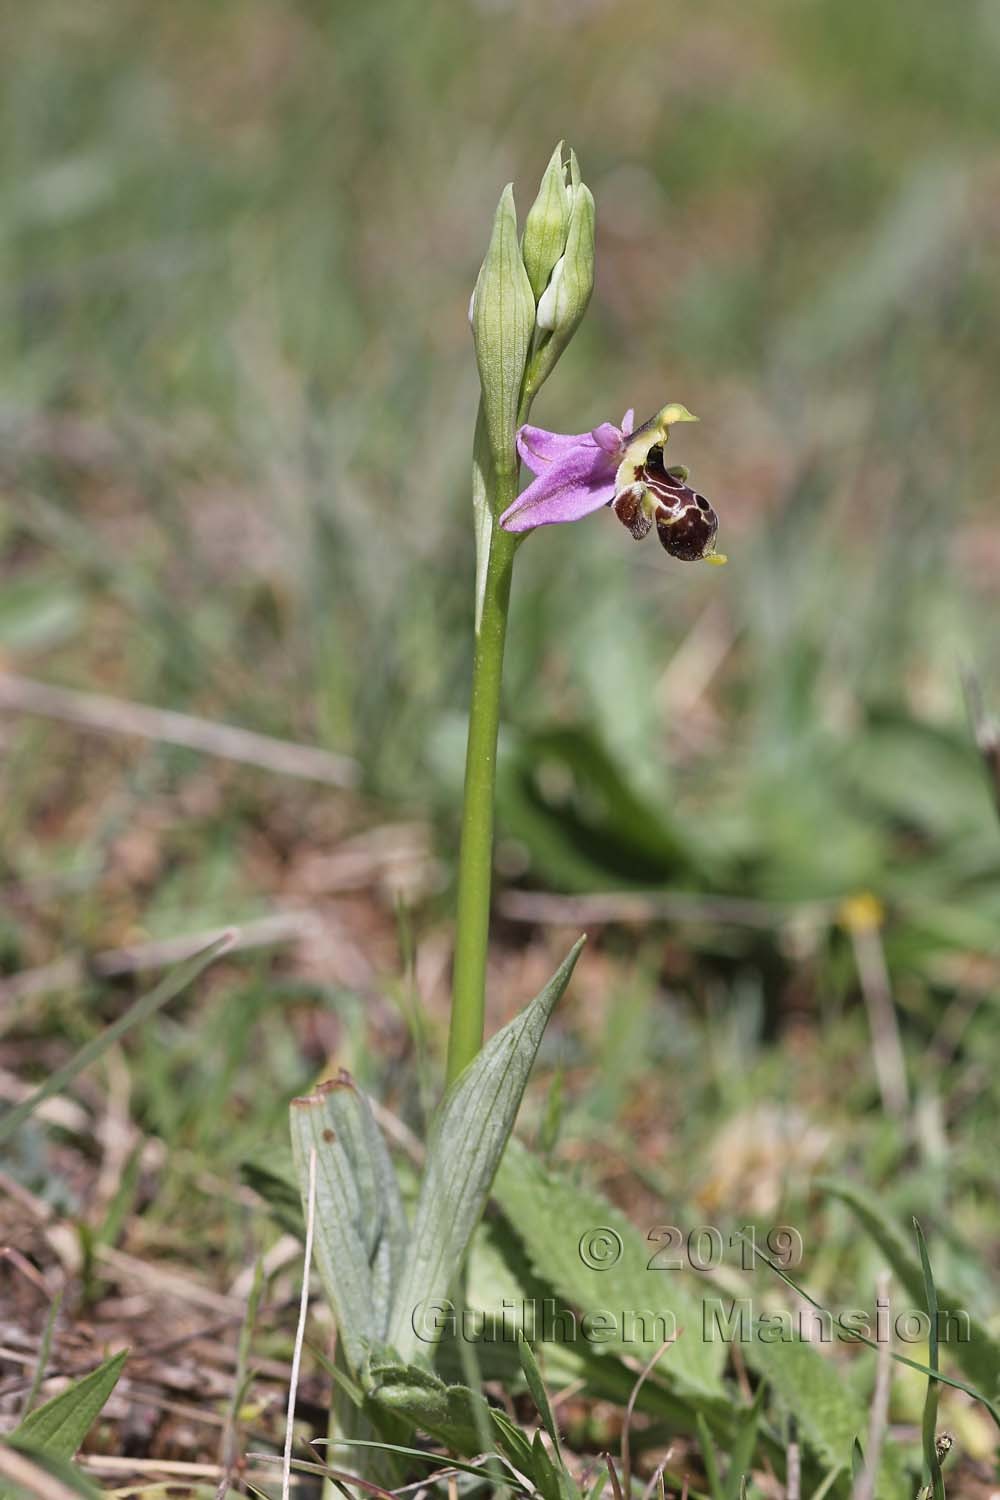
<point x="565" y="797"/>
<point x="553" y="1217"/>
<point x="60" y="1426"/>
<point x="744" y="1444"/>
<point x="470" y="1131"/>
<point x="900" y="1359"/>
<point x="30" y="1472"/>
<point x="705" y="1443"/>
<point x="536" y="1386"/>
<point x="830" y="1416"/>
<point x="360" y="1235"/>
<point x="279" y="1191"/>
<point x="543" y="1470"/>
<point x="453" y="1414"/>
<point x="979" y="1354"/>
<point x="39" y="612"/>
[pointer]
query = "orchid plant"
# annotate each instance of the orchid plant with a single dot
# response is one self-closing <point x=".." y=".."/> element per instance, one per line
<point x="393" y="1273"/>
<point x="528" y="302"/>
<point x="379" y="1265"/>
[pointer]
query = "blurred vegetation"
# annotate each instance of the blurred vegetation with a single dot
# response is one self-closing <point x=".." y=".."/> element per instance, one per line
<point x="236" y="247"/>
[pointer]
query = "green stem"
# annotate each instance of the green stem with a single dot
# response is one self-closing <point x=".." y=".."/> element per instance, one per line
<point x="475" y="857"/>
<point x="475" y="863"/>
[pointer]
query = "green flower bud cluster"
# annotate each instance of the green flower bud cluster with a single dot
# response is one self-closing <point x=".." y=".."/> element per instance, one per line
<point x="529" y="298"/>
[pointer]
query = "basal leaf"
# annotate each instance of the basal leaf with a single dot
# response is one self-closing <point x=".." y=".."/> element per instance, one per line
<point x="470" y="1132"/>
<point x="454" y="1414"/>
<point x="360" y="1234"/>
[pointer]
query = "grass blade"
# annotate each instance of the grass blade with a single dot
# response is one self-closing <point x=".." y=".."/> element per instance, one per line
<point x="43" y="1355"/>
<point x="715" y="1485"/>
<point x="536" y="1386"/>
<point x="929" y="1424"/>
<point x="901" y="1359"/>
<point x="172" y="984"/>
<point x="978" y="1355"/>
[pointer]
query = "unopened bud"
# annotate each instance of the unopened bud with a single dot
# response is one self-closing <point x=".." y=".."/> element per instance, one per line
<point x="547" y="224"/>
<point x="564" y="301"/>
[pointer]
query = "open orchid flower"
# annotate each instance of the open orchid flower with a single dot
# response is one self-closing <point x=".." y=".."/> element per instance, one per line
<point x="577" y="474"/>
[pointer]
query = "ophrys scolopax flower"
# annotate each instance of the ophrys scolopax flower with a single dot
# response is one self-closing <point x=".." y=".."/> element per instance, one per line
<point x="621" y="468"/>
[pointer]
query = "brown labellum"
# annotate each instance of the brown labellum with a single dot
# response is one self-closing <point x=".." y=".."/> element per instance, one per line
<point x="685" y="521"/>
<point x="689" y="536"/>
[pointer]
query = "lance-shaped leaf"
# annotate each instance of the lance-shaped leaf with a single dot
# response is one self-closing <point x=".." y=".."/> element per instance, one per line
<point x="28" y="1473"/>
<point x="360" y="1234"/>
<point x="60" y="1426"/>
<point x="467" y="1141"/>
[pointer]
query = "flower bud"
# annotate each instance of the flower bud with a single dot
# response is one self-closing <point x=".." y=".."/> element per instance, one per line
<point x="503" y="319"/>
<point x="547" y="223"/>
<point x="564" y="301"/>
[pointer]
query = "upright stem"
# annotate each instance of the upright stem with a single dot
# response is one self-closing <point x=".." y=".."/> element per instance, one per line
<point x="475" y="856"/>
<point x="475" y="863"/>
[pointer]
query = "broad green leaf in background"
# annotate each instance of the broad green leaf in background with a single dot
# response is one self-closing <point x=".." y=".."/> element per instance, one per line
<point x="469" y="1134"/>
<point x="979" y="1355"/>
<point x="564" y="797"/>
<point x="360" y="1224"/>
<point x="504" y="1291"/>
<point x="279" y="1191"/>
<point x="553" y="1217"/>
<point x="60" y="1426"/>
<point x="829" y="1415"/>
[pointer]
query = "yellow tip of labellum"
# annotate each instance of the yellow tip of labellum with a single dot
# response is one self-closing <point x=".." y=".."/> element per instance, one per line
<point x="718" y="558"/>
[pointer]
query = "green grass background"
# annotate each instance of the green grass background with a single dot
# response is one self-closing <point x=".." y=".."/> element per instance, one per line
<point x="236" y="247"/>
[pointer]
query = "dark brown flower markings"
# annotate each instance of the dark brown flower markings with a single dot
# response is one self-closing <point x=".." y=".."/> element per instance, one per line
<point x="685" y="521"/>
<point x="629" y="510"/>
